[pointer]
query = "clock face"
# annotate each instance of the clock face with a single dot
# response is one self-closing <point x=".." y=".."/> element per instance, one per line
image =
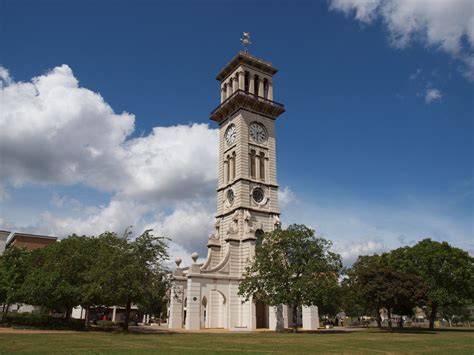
<point x="230" y="135"/>
<point x="258" y="133"/>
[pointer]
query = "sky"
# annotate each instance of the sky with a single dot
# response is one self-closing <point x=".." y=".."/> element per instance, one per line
<point x="104" y="117"/>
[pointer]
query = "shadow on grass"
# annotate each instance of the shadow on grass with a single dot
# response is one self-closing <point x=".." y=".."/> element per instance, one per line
<point x="427" y="331"/>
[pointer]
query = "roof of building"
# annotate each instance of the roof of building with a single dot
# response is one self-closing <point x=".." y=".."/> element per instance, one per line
<point x="246" y="58"/>
<point x="14" y="235"/>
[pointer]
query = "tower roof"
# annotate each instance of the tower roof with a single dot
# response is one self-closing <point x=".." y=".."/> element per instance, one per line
<point x="248" y="59"/>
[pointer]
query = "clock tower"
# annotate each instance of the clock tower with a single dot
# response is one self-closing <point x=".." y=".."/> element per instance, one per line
<point x="206" y="295"/>
<point x="247" y="183"/>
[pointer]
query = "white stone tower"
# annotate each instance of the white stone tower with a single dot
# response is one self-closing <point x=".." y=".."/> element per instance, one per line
<point x="206" y="295"/>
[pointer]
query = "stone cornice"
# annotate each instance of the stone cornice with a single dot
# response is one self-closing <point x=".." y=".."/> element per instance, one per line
<point x="251" y="102"/>
<point x="249" y="60"/>
<point x="226" y="186"/>
<point x="247" y="208"/>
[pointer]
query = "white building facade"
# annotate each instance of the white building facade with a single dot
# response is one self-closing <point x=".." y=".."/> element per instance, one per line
<point x="206" y="295"/>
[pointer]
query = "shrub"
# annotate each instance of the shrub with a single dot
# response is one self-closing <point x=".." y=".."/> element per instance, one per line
<point x="43" y="321"/>
<point x="108" y="324"/>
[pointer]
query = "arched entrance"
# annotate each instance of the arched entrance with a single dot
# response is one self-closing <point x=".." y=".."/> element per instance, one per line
<point x="204" y="312"/>
<point x="261" y="314"/>
<point x="217" y="312"/>
<point x="259" y="233"/>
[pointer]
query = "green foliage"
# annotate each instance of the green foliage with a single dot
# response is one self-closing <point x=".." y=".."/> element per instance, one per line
<point x="373" y="284"/>
<point x="293" y="267"/>
<point x="108" y="324"/>
<point x="15" y="264"/>
<point x="447" y="271"/>
<point x="60" y="272"/>
<point x="87" y="271"/>
<point x="43" y="321"/>
<point x="128" y="271"/>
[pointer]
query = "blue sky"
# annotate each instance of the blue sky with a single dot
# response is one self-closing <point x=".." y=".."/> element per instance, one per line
<point x="375" y="149"/>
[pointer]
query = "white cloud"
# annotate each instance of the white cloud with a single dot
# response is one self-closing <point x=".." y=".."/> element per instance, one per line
<point x="350" y="251"/>
<point x="5" y="78"/>
<point x="432" y="94"/>
<point x="65" y="202"/>
<point x="116" y="216"/>
<point x="441" y="24"/>
<point x="285" y="197"/>
<point x="358" y="227"/>
<point x="416" y="74"/>
<point x="188" y="225"/>
<point x="53" y="131"/>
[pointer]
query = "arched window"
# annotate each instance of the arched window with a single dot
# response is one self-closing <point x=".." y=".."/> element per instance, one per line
<point x="256" y="83"/>
<point x="252" y="164"/>
<point x="233" y="165"/>
<point x="265" y="88"/>
<point x="259" y="235"/>
<point x="262" y="166"/>
<point x="231" y="86"/>
<point x="246" y="82"/>
<point x="227" y="169"/>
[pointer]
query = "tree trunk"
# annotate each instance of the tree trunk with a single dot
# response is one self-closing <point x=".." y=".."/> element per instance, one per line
<point x="295" y="318"/>
<point x="280" y="323"/>
<point x="379" y="319"/>
<point x="389" y="313"/>
<point x="434" y="310"/>
<point x="5" y="310"/>
<point x="86" y="317"/>
<point x="68" y="313"/>
<point x="127" y="316"/>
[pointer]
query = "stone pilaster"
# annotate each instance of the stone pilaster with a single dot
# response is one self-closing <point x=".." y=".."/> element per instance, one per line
<point x="310" y="318"/>
<point x="175" y="320"/>
<point x="193" y="306"/>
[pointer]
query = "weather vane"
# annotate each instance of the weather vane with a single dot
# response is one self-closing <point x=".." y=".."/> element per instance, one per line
<point x="246" y="41"/>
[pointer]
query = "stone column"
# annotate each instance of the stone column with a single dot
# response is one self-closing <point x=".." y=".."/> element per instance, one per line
<point x="260" y="87"/>
<point x="175" y="320"/>
<point x="242" y="80"/>
<point x="231" y="170"/>
<point x="226" y="172"/>
<point x="252" y="315"/>
<point x="278" y="317"/>
<point x="193" y="307"/>
<point x="310" y="318"/>
<point x="223" y="97"/>
<point x="251" y="84"/>
<point x="270" y="90"/>
<point x="257" y="166"/>
<point x="114" y="313"/>
<point x="235" y="82"/>
<point x="229" y="88"/>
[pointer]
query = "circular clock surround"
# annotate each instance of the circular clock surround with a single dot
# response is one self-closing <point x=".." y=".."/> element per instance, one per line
<point x="230" y="196"/>
<point x="231" y="134"/>
<point x="257" y="132"/>
<point x="258" y="195"/>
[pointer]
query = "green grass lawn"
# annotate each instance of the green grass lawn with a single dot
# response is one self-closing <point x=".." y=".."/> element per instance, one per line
<point x="366" y="341"/>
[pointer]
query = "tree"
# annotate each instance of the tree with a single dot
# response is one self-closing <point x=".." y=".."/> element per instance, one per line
<point x="377" y="285"/>
<point x="154" y="300"/>
<point x="456" y="313"/>
<point x="292" y="267"/>
<point x="15" y="265"/>
<point x="447" y="271"/>
<point x="58" y="277"/>
<point x="126" y="269"/>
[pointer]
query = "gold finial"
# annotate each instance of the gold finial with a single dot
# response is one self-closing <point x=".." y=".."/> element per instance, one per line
<point x="246" y="41"/>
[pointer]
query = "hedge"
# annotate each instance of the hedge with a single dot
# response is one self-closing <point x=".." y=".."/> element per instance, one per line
<point x="43" y="321"/>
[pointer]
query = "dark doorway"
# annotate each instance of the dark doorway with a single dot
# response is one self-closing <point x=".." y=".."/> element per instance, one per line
<point x="261" y="311"/>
